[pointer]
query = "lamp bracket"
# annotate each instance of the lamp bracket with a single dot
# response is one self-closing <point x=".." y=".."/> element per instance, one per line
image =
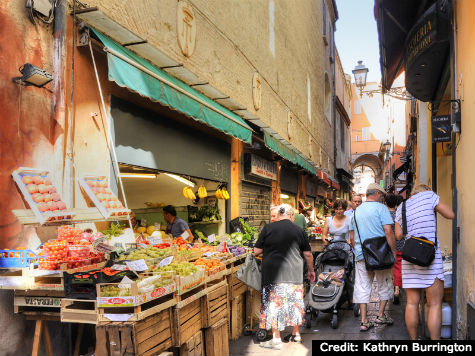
<point x="83" y="35"/>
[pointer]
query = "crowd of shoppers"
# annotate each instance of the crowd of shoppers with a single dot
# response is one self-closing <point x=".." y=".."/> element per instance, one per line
<point x="285" y="248"/>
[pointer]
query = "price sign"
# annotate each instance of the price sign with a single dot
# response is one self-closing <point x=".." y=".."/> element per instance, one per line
<point x="209" y="254"/>
<point x="212" y="238"/>
<point x="138" y="265"/>
<point x="165" y="261"/>
<point x="119" y="267"/>
<point x="125" y="282"/>
<point x="185" y="235"/>
<point x="143" y="245"/>
<point x="154" y="240"/>
<point x="103" y="248"/>
<point x="98" y="241"/>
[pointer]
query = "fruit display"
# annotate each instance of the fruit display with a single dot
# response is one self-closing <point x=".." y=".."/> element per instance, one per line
<point x="237" y="250"/>
<point x="182" y="269"/>
<point x="97" y="187"/>
<point x="202" y="193"/>
<point x="79" y="252"/>
<point x="222" y="194"/>
<point x="115" y="291"/>
<point x="149" y="253"/>
<point x="209" y="264"/>
<point x="55" y="250"/>
<point x="40" y="194"/>
<point x="188" y="193"/>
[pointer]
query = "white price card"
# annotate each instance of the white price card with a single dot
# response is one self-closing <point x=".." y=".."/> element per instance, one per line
<point x="209" y="254"/>
<point x="185" y="235"/>
<point x="165" y="261"/>
<point x="125" y="282"/>
<point x="103" y="248"/>
<point x="118" y="317"/>
<point x="119" y="267"/>
<point x="155" y="240"/>
<point x="143" y="245"/>
<point x="138" y="265"/>
<point x="212" y="238"/>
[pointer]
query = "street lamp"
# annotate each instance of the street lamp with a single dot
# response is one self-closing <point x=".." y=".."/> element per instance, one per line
<point x="360" y="72"/>
<point x="387" y="147"/>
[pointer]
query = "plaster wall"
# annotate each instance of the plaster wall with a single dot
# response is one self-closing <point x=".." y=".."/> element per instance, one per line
<point x="234" y="40"/>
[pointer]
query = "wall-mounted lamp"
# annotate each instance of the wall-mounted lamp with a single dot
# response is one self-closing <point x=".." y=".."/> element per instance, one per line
<point x="139" y="175"/>
<point x="32" y="75"/>
<point x="181" y="179"/>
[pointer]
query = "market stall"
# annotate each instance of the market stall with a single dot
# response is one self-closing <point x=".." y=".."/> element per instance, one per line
<point x="144" y="291"/>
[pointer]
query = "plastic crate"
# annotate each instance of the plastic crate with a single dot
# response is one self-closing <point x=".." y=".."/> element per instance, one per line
<point x="18" y="258"/>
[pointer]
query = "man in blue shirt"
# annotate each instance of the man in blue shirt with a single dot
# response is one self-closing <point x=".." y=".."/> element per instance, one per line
<point x="176" y="227"/>
<point x="372" y="219"/>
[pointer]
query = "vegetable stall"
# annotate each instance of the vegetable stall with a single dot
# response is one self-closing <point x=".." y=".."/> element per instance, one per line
<point x="144" y="291"/>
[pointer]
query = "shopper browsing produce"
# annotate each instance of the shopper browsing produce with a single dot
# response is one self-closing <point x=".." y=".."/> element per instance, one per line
<point x="176" y="226"/>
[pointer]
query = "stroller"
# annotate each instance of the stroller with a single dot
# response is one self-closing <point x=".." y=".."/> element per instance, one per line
<point x="334" y="278"/>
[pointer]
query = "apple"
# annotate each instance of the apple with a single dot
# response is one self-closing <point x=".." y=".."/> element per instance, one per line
<point x="37" y="180"/>
<point x="27" y="179"/>
<point x="51" y="189"/>
<point x="47" y="181"/>
<point x="52" y="205"/>
<point x="61" y="205"/>
<point x="43" y="207"/>
<point x="47" y="198"/>
<point x="32" y="188"/>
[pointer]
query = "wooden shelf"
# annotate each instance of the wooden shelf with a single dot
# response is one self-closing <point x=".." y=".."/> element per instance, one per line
<point x="205" y="222"/>
<point x="81" y="215"/>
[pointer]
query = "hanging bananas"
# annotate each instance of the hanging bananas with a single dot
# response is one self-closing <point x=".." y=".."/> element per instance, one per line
<point x="202" y="193"/>
<point x="222" y="194"/>
<point x="188" y="193"/>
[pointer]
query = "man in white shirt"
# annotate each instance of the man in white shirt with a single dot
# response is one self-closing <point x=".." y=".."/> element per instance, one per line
<point x="356" y="201"/>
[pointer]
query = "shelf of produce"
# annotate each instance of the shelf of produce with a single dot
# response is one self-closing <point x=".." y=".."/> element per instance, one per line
<point x="81" y="215"/>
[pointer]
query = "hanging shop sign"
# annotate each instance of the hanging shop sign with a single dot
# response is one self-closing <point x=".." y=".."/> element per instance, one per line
<point x="426" y="50"/>
<point x="260" y="167"/>
<point x="441" y="129"/>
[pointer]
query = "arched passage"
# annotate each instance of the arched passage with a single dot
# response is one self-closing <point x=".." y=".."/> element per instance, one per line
<point x="367" y="168"/>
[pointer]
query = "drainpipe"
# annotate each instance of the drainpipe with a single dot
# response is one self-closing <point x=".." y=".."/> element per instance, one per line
<point x="455" y="229"/>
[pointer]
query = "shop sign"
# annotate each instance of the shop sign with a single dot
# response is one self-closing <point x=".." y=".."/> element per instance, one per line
<point x="38" y="301"/>
<point x="441" y="129"/>
<point x="261" y="167"/>
<point x="426" y="50"/>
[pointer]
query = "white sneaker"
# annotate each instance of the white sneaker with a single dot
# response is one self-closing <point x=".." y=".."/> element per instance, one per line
<point x="270" y="344"/>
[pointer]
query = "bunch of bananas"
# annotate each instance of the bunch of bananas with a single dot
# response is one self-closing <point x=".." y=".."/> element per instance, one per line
<point x="188" y="193"/>
<point x="222" y="194"/>
<point x="202" y="193"/>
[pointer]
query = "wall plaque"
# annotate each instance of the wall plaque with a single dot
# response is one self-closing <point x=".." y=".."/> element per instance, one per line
<point x="256" y="90"/>
<point x="186" y="28"/>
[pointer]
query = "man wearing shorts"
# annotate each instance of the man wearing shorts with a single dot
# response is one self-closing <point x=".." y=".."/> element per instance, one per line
<point x="372" y="219"/>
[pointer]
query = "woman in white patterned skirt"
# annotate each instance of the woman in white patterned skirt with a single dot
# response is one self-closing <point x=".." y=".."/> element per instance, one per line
<point x="420" y="216"/>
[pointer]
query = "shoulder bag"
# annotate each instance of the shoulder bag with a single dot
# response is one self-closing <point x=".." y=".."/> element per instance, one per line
<point x="250" y="273"/>
<point x="417" y="250"/>
<point x="376" y="252"/>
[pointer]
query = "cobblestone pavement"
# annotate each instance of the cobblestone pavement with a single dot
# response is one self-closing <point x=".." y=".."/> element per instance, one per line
<point x="348" y="329"/>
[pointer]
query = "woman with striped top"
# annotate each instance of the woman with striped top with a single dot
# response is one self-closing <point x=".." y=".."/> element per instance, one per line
<point x="420" y="215"/>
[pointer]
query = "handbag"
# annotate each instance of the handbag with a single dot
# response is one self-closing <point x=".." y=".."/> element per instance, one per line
<point x="417" y="250"/>
<point x="376" y="252"/>
<point x="250" y="273"/>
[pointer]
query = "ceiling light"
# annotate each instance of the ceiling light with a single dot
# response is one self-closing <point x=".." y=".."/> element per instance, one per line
<point x="32" y="75"/>
<point x="139" y="175"/>
<point x="181" y="179"/>
<point x="284" y="196"/>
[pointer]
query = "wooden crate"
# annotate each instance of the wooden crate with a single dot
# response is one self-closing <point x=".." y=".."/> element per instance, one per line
<point x="147" y="337"/>
<point x="217" y="339"/>
<point x="37" y="301"/>
<point x="216" y="305"/>
<point x="188" y="321"/>
<point x="237" y="316"/>
<point x="194" y="346"/>
<point x="236" y="287"/>
<point x="81" y="311"/>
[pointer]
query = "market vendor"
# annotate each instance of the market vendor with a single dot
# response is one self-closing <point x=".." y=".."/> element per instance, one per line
<point x="176" y="226"/>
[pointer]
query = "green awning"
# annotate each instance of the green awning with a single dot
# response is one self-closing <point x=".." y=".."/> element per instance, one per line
<point x="124" y="70"/>
<point x="288" y="153"/>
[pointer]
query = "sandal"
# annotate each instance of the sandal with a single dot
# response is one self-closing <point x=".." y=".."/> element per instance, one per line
<point x="366" y="326"/>
<point x="384" y="320"/>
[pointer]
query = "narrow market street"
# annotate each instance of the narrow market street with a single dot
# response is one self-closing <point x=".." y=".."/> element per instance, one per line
<point x="348" y="329"/>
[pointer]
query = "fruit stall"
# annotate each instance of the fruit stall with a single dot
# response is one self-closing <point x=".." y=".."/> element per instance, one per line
<point x="143" y="291"/>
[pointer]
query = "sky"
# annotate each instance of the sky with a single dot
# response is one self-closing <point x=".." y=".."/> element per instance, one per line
<point x="356" y="37"/>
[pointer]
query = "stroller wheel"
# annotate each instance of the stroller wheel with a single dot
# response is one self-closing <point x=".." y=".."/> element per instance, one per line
<point x="307" y="320"/>
<point x="261" y="334"/>
<point x="334" y="321"/>
<point x="246" y="330"/>
<point x="356" y="310"/>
